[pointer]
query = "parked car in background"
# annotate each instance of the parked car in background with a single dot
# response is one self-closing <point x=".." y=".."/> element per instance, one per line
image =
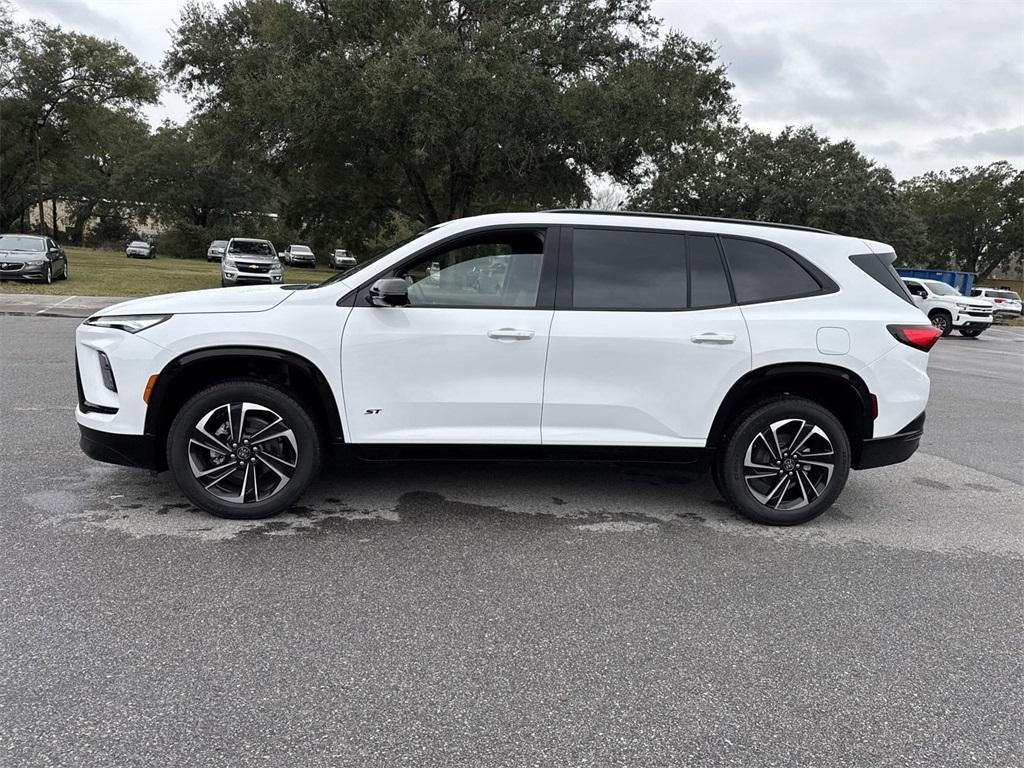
<point x="32" y="258"/>
<point x="341" y="259"/>
<point x="299" y="256"/>
<point x="1005" y="303"/>
<point x="947" y="308"/>
<point x="248" y="260"/>
<point x="781" y="357"/>
<point x="216" y="250"/>
<point x="139" y="249"/>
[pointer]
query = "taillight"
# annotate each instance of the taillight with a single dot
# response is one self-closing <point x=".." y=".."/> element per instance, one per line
<point x="998" y="301"/>
<point x="921" y="337"/>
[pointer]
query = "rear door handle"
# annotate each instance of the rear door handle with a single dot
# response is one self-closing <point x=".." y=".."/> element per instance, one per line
<point x="510" y="334"/>
<point x="713" y="338"/>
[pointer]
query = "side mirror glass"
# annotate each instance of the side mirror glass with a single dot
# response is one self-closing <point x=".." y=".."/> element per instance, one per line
<point x="389" y="292"/>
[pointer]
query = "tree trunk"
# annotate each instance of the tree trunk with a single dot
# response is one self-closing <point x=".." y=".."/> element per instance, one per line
<point x="53" y="210"/>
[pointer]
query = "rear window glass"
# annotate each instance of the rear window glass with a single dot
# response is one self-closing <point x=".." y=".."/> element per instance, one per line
<point x="1004" y="295"/>
<point x="878" y="266"/>
<point x="619" y="269"/>
<point x="761" y="272"/>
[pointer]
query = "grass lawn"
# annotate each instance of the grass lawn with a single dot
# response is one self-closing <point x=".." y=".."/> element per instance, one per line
<point x="111" y="273"/>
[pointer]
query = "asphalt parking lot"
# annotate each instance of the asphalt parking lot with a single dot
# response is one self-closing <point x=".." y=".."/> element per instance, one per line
<point x="513" y="615"/>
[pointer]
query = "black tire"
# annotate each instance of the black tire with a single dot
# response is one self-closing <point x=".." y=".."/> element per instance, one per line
<point x="64" y="272"/>
<point x="943" y="321"/>
<point x="295" y="417"/>
<point x="49" y="274"/>
<point x="745" y="433"/>
<point x="971" y="333"/>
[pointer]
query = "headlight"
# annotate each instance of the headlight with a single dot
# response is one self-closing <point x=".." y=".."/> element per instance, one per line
<point x="277" y="268"/>
<point x="129" y="323"/>
<point x="964" y="306"/>
<point x="35" y="262"/>
<point x="228" y="261"/>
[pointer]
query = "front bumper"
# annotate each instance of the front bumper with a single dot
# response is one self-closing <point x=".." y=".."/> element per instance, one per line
<point x="882" y="451"/>
<point x="126" y="450"/>
<point x="252" y="278"/>
<point x="25" y="273"/>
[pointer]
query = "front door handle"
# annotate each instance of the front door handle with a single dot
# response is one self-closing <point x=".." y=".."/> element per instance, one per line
<point x="713" y="338"/>
<point x="510" y="334"/>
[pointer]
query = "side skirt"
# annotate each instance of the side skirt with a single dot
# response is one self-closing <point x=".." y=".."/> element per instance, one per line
<point x="695" y="458"/>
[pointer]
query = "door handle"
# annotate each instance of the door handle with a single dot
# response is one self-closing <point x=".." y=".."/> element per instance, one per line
<point x="510" y="334"/>
<point x="713" y="338"/>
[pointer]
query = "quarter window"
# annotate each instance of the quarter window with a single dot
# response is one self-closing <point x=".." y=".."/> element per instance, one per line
<point x="501" y="270"/>
<point x="709" y="286"/>
<point x="617" y="269"/>
<point x="763" y="273"/>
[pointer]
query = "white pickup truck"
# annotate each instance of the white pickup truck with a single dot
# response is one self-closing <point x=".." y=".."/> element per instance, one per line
<point x="947" y="308"/>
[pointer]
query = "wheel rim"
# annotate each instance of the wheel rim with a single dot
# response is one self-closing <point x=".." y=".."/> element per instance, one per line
<point x="939" y="321"/>
<point x="789" y="464"/>
<point x="49" y="275"/>
<point x="242" y="453"/>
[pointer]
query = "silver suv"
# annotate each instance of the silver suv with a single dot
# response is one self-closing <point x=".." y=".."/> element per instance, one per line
<point x="247" y="260"/>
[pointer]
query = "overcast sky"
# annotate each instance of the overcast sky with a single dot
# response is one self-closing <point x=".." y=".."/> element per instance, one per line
<point x="918" y="85"/>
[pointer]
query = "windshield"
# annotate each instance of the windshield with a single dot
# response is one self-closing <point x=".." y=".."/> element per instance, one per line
<point x="251" y="247"/>
<point x="19" y="243"/>
<point x="352" y="270"/>
<point x="301" y="249"/>
<point x="137" y="244"/>
<point x="218" y="243"/>
<point x="942" y="289"/>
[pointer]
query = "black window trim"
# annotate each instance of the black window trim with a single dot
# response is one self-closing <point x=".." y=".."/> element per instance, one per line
<point x="563" y="295"/>
<point x="545" y="292"/>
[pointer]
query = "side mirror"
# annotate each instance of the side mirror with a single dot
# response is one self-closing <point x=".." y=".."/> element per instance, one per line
<point x="389" y="292"/>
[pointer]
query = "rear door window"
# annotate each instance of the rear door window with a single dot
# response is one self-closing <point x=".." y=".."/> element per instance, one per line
<point x="761" y="272"/>
<point x="628" y="270"/>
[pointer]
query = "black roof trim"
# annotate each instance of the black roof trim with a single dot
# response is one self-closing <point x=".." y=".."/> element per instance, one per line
<point x="646" y="214"/>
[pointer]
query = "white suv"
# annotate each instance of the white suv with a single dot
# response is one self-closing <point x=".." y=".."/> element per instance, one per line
<point x="781" y="356"/>
<point x="1006" y="303"/>
<point x="947" y="308"/>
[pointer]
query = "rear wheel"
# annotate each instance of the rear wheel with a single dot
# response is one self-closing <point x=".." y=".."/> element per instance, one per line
<point x="784" y="462"/>
<point x="64" y="272"/>
<point x="971" y="333"/>
<point x="943" y="321"/>
<point x="49" y="274"/>
<point x="243" y="450"/>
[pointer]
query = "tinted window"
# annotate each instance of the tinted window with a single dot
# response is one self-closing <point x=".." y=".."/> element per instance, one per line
<point x="879" y="267"/>
<point x="501" y="271"/>
<point x="762" y="273"/>
<point x="615" y="269"/>
<point x="709" y="287"/>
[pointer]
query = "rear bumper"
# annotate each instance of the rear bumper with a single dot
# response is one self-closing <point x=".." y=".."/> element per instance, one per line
<point x="882" y="451"/>
<point x="126" y="450"/>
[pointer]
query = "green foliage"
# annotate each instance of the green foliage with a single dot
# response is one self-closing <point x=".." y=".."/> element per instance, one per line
<point x="55" y="88"/>
<point x="794" y="177"/>
<point x="974" y="217"/>
<point x="435" y="110"/>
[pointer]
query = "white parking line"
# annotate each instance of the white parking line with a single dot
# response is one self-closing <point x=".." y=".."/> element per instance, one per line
<point x="54" y="306"/>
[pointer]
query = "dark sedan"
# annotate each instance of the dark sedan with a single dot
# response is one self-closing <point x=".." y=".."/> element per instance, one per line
<point x="32" y="258"/>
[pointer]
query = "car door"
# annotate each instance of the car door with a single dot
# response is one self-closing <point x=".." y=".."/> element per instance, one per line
<point x="463" y="361"/>
<point x="56" y="256"/>
<point x="918" y="293"/>
<point x="645" y="340"/>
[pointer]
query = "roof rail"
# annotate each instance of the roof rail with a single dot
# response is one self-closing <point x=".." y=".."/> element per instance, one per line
<point x="646" y="214"/>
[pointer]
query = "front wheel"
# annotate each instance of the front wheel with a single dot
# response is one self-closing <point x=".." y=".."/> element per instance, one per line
<point x="64" y="273"/>
<point x="784" y="462"/>
<point x="943" y="321"/>
<point x="49" y="274"/>
<point x="243" y="450"/>
<point x="971" y="333"/>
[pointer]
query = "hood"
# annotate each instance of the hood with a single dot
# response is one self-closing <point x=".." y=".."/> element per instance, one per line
<point x="20" y="257"/>
<point x="255" y="298"/>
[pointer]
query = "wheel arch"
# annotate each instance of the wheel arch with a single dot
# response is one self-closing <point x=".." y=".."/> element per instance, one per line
<point x="839" y="389"/>
<point x="192" y="371"/>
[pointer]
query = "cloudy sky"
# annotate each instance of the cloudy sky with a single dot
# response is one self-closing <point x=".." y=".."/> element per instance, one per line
<point x="917" y="84"/>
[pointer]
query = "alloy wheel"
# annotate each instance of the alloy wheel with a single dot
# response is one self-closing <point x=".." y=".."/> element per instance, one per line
<point x="940" y="322"/>
<point x="789" y="464"/>
<point x="242" y="452"/>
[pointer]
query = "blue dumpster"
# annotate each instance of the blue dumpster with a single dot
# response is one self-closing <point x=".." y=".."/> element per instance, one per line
<point x="962" y="281"/>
